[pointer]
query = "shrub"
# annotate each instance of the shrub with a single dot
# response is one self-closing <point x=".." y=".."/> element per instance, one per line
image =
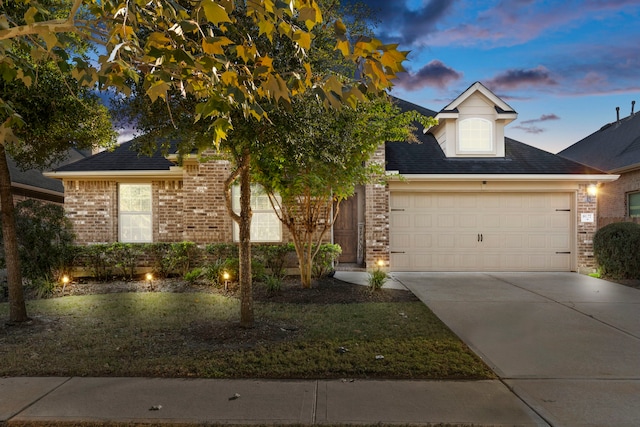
<point x="45" y="240"/>
<point x="616" y="249"/>
<point x="159" y="257"/>
<point x="324" y="262"/>
<point x="124" y="257"/>
<point x="182" y="257"/>
<point x="222" y="251"/>
<point x="97" y="259"/>
<point x="274" y="257"/>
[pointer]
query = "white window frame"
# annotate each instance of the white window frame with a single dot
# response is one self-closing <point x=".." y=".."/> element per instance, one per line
<point x="141" y="211"/>
<point x="263" y="213"/>
<point x="469" y="132"/>
<point x="636" y="194"/>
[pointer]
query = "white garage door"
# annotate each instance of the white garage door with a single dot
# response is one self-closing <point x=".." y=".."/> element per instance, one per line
<point x="481" y="231"/>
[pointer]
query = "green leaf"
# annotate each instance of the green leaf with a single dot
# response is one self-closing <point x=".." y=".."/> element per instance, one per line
<point x="214" y="12"/>
<point x="158" y="90"/>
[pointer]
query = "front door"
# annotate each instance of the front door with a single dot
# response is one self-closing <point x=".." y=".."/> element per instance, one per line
<point x="345" y="230"/>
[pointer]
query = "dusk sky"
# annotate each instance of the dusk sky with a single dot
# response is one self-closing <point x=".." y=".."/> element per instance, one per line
<point x="564" y="66"/>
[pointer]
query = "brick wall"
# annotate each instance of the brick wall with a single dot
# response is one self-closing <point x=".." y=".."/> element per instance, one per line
<point x="91" y="207"/>
<point x="377" y="219"/>
<point x="205" y="217"/>
<point x="586" y="230"/>
<point x="612" y="199"/>
<point x="168" y="205"/>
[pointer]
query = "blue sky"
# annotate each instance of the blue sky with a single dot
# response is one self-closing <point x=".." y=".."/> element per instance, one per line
<point x="564" y="66"/>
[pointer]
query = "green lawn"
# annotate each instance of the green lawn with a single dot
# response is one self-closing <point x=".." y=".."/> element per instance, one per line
<point x="161" y="334"/>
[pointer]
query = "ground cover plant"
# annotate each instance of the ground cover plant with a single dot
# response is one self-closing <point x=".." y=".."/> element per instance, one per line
<point x="174" y="329"/>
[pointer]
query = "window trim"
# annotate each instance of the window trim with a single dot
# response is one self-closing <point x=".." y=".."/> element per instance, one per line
<point x="122" y="213"/>
<point x="637" y="194"/>
<point x="492" y="143"/>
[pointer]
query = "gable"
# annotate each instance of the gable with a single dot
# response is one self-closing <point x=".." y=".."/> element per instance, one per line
<point x="473" y="124"/>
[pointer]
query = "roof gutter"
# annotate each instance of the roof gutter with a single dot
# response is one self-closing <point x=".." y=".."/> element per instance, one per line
<point x="173" y="172"/>
<point x="395" y="175"/>
<point x="628" y="168"/>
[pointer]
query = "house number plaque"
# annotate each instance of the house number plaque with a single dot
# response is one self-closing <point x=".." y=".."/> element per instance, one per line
<point x="586" y="217"/>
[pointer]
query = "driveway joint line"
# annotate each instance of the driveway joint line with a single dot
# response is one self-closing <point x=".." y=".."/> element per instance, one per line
<point x="569" y="305"/>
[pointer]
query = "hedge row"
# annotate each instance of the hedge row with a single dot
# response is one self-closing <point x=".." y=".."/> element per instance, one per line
<point x="190" y="261"/>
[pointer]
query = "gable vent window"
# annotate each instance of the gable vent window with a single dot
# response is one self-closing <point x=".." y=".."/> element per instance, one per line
<point x="475" y="136"/>
<point x="134" y="213"/>
<point x="634" y="205"/>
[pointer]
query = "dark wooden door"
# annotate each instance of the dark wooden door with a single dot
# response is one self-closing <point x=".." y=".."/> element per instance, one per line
<point x="345" y="230"/>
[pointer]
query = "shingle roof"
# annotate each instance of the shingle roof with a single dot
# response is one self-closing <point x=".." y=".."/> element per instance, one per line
<point x="428" y="158"/>
<point x="615" y="146"/>
<point x="34" y="177"/>
<point x="123" y="158"/>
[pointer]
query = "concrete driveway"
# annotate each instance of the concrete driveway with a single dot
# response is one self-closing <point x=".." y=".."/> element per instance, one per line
<point x="567" y="344"/>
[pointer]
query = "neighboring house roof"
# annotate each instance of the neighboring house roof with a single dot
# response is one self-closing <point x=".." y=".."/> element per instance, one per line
<point x="613" y="148"/>
<point x="34" y="180"/>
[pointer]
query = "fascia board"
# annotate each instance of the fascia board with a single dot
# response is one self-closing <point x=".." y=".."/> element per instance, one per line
<point x="624" y="169"/>
<point x="500" y="177"/>
<point x="36" y="189"/>
<point x="174" y="172"/>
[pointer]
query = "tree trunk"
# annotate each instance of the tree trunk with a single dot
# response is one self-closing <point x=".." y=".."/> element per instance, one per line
<point x="246" y="291"/>
<point x="17" y="307"/>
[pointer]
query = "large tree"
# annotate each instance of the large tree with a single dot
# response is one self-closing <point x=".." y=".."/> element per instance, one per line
<point x="45" y="113"/>
<point x="225" y="54"/>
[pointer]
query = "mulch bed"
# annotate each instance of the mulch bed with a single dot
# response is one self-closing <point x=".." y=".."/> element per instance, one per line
<point x="323" y="291"/>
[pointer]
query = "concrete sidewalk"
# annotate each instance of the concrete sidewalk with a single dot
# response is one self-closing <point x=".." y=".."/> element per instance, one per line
<point x="307" y="402"/>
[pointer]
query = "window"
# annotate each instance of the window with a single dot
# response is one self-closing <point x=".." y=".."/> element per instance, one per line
<point x="134" y="213"/>
<point x="634" y="205"/>
<point x="265" y="225"/>
<point x="475" y="136"/>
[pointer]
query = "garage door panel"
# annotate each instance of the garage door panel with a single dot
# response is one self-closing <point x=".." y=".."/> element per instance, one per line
<point x="481" y="231"/>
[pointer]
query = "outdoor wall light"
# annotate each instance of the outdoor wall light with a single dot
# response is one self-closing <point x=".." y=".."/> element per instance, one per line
<point x="592" y="191"/>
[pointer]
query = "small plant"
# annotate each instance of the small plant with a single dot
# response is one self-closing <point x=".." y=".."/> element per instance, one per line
<point x="43" y="287"/>
<point x="194" y="275"/>
<point x="377" y="278"/>
<point x="272" y="283"/>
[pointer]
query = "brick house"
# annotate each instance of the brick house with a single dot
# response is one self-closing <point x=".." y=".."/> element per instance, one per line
<point x="614" y="148"/>
<point x="465" y="198"/>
